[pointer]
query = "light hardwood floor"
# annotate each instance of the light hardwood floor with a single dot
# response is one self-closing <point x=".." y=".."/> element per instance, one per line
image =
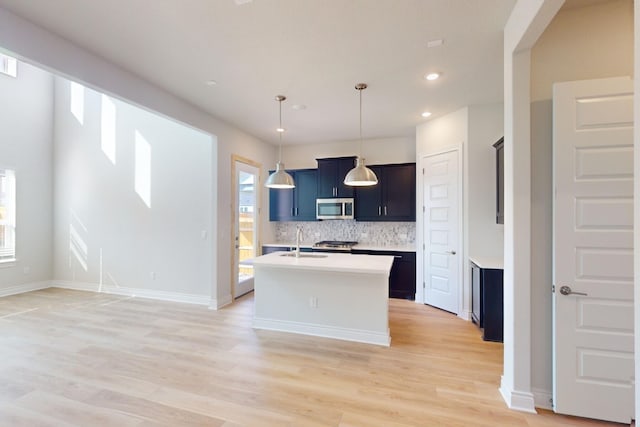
<point x="71" y="358"/>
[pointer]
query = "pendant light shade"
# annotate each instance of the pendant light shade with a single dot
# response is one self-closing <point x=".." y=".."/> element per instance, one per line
<point x="360" y="176"/>
<point x="280" y="178"/>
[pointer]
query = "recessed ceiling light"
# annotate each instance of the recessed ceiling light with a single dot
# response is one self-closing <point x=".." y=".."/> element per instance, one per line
<point x="426" y="114"/>
<point x="432" y="76"/>
<point x="280" y="130"/>
<point x="211" y="82"/>
<point x="435" y="43"/>
<point x="299" y="107"/>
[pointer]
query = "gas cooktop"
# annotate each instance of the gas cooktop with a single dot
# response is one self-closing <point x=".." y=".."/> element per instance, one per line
<point x="335" y="244"/>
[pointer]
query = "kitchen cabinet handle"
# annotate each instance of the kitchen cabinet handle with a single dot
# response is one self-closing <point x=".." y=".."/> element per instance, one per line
<point x="379" y="211"/>
<point x="397" y="256"/>
<point x="385" y="211"/>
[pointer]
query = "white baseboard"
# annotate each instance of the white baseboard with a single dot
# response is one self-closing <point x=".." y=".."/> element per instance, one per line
<point x="357" y="335"/>
<point x="518" y="400"/>
<point x="465" y="315"/>
<point x="133" y="292"/>
<point x="24" y="287"/>
<point x="543" y="398"/>
<point x="216" y="304"/>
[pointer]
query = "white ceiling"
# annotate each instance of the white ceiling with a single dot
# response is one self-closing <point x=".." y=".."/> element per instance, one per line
<point x="312" y="51"/>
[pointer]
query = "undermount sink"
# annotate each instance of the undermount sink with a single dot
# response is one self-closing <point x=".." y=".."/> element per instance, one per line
<point x="304" y="255"/>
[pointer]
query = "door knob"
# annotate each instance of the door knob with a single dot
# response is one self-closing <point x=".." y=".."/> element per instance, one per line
<point x="566" y="290"/>
<point x="451" y="252"/>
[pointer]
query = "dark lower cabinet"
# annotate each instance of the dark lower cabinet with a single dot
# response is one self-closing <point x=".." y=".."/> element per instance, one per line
<point x="487" y="301"/>
<point x="271" y="249"/>
<point x="402" y="280"/>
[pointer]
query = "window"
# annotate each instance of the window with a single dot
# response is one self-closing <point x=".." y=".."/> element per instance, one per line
<point x="7" y="215"/>
<point x="8" y="65"/>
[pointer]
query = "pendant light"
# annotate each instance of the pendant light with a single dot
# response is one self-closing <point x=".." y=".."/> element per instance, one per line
<point x="280" y="178"/>
<point x="360" y="176"/>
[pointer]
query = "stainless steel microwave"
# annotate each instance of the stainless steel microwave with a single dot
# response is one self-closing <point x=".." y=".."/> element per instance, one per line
<point x="334" y="208"/>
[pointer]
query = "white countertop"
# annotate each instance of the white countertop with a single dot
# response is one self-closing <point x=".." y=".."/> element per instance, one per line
<point x="348" y="263"/>
<point x="488" y="262"/>
<point x="361" y="246"/>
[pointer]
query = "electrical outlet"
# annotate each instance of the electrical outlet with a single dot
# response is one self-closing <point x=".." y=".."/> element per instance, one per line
<point x="313" y="302"/>
<point x="26" y="270"/>
<point x="153" y="275"/>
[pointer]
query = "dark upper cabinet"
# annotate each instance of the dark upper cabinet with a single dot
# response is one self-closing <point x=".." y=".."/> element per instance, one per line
<point x="296" y="204"/>
<point x="499" y="146"/>
<point x="392" y="199"/>
<point x="331" y="173"/>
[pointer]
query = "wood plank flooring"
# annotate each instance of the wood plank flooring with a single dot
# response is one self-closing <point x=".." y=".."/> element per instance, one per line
<point x="71" y="358"/>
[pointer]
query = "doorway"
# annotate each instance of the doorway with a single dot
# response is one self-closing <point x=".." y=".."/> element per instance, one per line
<point x="593" y="336"/>
<point x="442" y="225"/>
<point x="245" y="223"/>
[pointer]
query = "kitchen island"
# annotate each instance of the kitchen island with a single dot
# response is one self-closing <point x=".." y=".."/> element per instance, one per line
<point x="331" y="295"/>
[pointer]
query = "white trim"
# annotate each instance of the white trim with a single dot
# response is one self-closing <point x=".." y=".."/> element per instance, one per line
<point x="543" y="398"/>
<point x="217" y="304"/>
<point x="133" y="292"/>
<point x="323" y="331"/>
<point x="517" y="400"/>
<point x="25" y="287"/>
<point x="465" y="315"/>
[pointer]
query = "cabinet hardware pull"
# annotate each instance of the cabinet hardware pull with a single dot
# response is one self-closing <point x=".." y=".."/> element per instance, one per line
<point x="385" y="211"/>
<point x="379" y="211"/>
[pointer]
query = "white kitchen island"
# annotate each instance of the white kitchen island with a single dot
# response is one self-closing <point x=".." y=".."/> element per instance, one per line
<point x="331" y="295"/>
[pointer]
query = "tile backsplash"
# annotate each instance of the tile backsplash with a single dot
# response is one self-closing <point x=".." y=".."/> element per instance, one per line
<point x="374" y="233"/>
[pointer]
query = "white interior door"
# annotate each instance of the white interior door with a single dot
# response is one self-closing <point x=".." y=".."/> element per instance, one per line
<point x="593" y="249"/>
<point x="246" y="225"/>
<point x="442" y="254"/>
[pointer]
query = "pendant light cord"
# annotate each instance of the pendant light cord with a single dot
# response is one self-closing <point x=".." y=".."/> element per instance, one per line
<point x="280" y="133"/>
<point x="360" y="90"/>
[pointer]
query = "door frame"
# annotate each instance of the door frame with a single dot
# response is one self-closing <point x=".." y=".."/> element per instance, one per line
<point x="234" y="200"/>
<point x="464" y="286"/>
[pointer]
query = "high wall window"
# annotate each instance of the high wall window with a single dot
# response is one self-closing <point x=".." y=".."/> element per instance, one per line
<point x="8" y="65"/>
<point x="7" y="215"/>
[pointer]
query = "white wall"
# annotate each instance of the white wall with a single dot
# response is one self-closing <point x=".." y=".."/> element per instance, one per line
<point x="582" y="43"/>
<point x="105" y="234"/>
<point x="486" y="238"/>
<point x="55" y="54"/>
<point x="375" y="152"/>
<point x="26" y="113"/>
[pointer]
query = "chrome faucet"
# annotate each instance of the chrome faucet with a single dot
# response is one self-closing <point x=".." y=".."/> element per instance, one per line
<point x="298" y="238"/>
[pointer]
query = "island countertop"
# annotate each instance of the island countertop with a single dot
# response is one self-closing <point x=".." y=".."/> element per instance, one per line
<point x="348" y="263"/>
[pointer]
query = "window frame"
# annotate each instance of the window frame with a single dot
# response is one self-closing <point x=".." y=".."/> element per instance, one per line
<point x="8" y="199"/>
